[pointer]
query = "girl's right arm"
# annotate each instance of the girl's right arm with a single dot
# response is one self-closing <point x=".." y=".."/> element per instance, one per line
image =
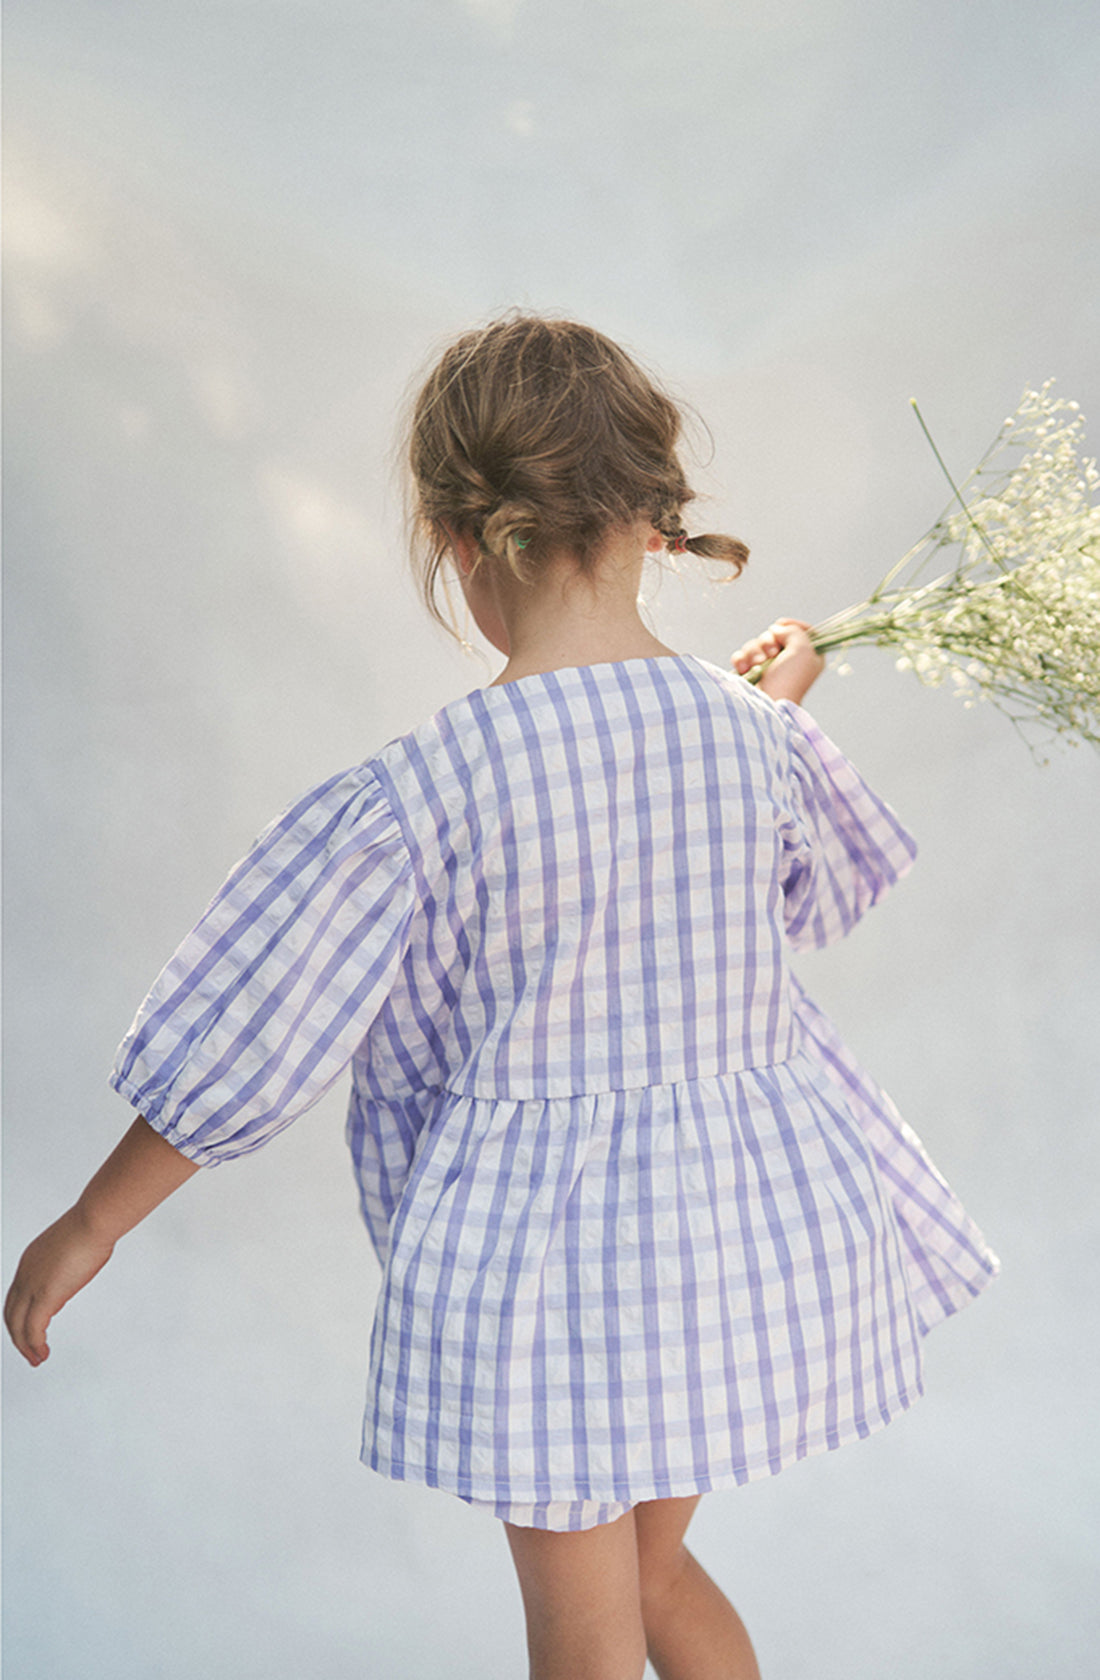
<point x="133" y="1180"/>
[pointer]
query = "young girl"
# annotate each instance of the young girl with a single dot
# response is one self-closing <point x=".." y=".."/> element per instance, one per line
<point x="645" y="1227"/>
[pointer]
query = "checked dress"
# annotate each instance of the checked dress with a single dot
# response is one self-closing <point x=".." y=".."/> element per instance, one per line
<point x="645" y="1227"/>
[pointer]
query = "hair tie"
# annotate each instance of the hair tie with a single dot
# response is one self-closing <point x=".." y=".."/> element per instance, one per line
<point x="679" y="545"/>
<point x="521" y="542"/>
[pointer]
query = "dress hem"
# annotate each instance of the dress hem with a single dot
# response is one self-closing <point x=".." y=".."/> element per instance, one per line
<point x="859" y="1429"/>
<point x="935" y="1302"/>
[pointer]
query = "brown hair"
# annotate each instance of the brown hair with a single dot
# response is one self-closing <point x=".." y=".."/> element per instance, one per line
<point x="535" y="435"/>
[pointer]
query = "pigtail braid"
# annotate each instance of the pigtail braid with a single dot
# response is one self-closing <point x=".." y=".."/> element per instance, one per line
<point x="710" y="546"/>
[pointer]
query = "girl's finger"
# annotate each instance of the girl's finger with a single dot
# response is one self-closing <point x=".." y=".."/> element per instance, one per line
<point x="767" y="645"/>
<point x="13" y="1318"/>
<point x="17" y="1330"/>
<point x="784" y="629"/>
<point x="27" y="1323"/>
<point x="37" y="1323"/>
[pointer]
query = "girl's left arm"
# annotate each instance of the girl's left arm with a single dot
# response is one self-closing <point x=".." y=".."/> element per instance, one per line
<point x="134" y="1179"/>
<point x="792" y="663"/>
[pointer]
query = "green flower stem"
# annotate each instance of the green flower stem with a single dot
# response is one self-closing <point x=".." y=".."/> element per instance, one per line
<point x="1015" y="617"/>
<point x="958" y="493"/>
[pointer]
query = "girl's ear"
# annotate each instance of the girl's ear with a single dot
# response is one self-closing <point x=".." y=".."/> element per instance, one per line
<point x="464" y="548"/>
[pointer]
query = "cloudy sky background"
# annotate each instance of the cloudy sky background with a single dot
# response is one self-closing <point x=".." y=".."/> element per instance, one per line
<point x="235" y="231"/>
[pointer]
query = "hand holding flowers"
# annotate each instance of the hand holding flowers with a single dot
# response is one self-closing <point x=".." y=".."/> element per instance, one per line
<point x="786" y="657"/>
<point x="1015" y="616"/>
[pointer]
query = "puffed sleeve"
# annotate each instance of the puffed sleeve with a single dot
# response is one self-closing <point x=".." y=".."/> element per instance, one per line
<point x="266" y="1000"/>
<point x="843" y="845"/>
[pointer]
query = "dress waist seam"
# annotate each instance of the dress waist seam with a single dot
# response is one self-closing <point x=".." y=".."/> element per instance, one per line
<point x="498" y="1096"/>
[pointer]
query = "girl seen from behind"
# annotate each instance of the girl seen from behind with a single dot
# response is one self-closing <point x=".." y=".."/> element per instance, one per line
<point x="645" y="1227"/>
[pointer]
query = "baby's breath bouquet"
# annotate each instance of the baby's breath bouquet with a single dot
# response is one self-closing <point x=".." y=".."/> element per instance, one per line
<point x="1015" y="616"/>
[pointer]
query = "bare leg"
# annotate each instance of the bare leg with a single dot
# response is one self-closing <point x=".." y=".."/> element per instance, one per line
<point x="692" y="1630"/>
<point x="582" y="1601"/>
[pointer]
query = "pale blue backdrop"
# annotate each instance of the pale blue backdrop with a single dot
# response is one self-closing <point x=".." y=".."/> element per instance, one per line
<point x="235" y="232"/>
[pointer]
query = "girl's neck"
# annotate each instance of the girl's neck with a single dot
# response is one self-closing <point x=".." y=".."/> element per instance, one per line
<point x="552" y="655"/>
<point x="566" y="619"/>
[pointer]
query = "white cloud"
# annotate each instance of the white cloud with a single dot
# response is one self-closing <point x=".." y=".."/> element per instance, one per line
<point x="221" y="398"/>
<point x="520" y="117"/>
<point x="497" y="15"/>
<point x="37" y="234"/>
<point x="308" y="512"/>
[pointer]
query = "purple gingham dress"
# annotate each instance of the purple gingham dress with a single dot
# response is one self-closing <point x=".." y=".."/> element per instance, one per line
<point x="645" y="1227"/>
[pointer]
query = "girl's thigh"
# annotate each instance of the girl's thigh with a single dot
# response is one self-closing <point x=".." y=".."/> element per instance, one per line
<point x="660" y="1526"/>
<point x="582" y="1600"/>
<point x="583" y="1591"/>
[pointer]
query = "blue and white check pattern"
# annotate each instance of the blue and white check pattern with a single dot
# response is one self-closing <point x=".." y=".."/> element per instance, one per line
<point x="645" y="1227"/>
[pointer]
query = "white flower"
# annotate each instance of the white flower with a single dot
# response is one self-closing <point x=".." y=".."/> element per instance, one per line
<point x="1016" y="617"/>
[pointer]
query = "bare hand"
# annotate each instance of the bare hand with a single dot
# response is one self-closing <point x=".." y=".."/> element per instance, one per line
<point x="54" y="1267"/>
<point x="792" y="663"/>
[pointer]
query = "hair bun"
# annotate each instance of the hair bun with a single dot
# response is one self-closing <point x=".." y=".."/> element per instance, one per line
<point x="534" y="436"/>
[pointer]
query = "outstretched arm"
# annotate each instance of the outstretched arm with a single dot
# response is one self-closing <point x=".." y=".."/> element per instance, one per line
<point x="133" y="1180"/>
<point x="795" y="663"/>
